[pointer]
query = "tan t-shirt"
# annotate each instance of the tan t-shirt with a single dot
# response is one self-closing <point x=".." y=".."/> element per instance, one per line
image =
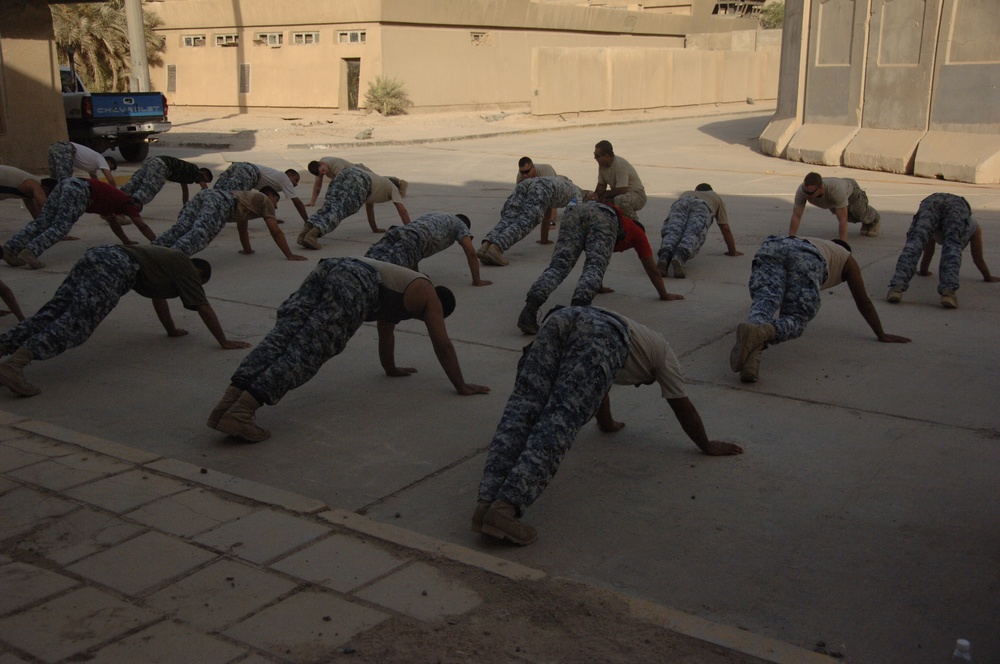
<point x="383" y="191"/>
<point x="715" y="202"/>
<point x="13" y="177"/>
<point x="836" y="193"/>
<point x="619" y="174"/>
<point x="544" y="171"/>
<point x="250" y="205"/>
<point x="336" y="165"/>
<point x="834" y="255"/>
<point x="650" y="359"/>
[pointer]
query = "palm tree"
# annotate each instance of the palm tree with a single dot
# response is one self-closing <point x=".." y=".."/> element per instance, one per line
<point x="98" y="35"/>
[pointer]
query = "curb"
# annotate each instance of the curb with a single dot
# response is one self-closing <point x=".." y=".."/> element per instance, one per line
<point x="693" y="113"/>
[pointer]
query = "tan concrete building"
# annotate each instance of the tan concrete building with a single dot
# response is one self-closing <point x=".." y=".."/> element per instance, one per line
<point x="455" y="54"/>
<point x="31" y="109"/>
<point x="905" y="87"/>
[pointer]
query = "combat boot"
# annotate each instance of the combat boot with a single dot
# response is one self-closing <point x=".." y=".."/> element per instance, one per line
<point x="11" y="258"/>
<point x="302" y="234"/>
<point x="29" y="257"/>
<point x="751" y="368"/>
<point x="749" y="337"/>
<point x="311" y="239"/>
<point x="228" y="399"/>
<point x="527" y="322"/>
<point x="239" y="420"/>
<point x="678" y="265"/>
<point x="948" y="300"/>
<point x="501" y="521"/>
<point x="895" y="295"/>
<point x="482" y="507"/>
<point x="493" y="255"/>
<point x="12" y="373"/>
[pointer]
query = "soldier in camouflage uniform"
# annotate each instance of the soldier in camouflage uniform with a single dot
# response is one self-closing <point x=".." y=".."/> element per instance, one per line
<point x="425" y="236"/>
<point x="240" y="176"/>
<point x="204" y="217"/>
<point x="523" y="211"/>
<point x="685" y="228"/>
<point x="345" y="195"/>
<point x="155" y="172"/>
<point x="562" y="381"/>
<point x="68" y="201"/>
<point x="597" y="230"/>
<point x="92" y="290"/>
<point x="64" y="156"/>
<point x="843" y="197"/>
<point x="787" y="276"/>
<point x="315" y="323"/>
<point x="943" y="219"/>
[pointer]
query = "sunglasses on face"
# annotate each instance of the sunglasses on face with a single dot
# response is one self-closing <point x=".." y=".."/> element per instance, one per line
<point x="527" y="172"/>
<point x="808" y="192"/>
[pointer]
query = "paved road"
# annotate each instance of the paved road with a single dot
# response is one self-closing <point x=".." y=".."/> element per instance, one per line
<point x="863" y="514"/>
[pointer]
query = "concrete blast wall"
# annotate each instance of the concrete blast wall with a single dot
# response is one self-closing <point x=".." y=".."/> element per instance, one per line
<point x="905" y="87"/>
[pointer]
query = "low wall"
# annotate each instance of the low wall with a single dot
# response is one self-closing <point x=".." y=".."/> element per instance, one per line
<point x="579" y="80"/>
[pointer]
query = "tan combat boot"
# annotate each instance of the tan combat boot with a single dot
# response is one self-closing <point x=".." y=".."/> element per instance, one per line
<point x="751" y="368"/>
<point x="501" y="521"/>
<point x="482" y="507"/>
<point x="12" y="373"/>
<point x="302" y="234"/>
<point x="311" y="239"/>
<point x="239" y="420"/>
<point x="749" y="337"/>
<point x="11" y="258"/>
<point x="228" y="399"/>
<point x="29" y="257"/>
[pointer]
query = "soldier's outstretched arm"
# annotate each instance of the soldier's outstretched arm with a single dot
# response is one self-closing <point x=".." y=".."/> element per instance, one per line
<point x="605" y="421"/>
<point x="976" y="246"/>
<point x="162" y="310"/>
<point x="852" y="275"/>
<point x="691" y="422"/>
<point x="215" y="327"/>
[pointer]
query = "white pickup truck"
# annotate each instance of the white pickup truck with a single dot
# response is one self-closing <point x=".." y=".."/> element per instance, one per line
<point x="106" y="120"/>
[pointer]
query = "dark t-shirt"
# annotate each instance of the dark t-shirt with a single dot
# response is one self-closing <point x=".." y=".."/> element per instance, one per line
<point x="167" y="273"/>
<point x="180" y="171"/>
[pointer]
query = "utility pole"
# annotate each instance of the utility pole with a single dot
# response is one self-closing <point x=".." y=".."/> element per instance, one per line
<point x="139" y="80"/>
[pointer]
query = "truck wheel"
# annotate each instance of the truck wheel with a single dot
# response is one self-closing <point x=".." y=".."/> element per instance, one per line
<point x="134" y="151"/>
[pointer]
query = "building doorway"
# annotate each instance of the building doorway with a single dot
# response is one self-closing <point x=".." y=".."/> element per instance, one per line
<point x="352" y="79"/>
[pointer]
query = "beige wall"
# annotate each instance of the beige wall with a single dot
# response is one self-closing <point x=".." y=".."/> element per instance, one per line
<point x="568" y="80"/>
<point x="426" y="44"/>
<point x="32" y="108"/>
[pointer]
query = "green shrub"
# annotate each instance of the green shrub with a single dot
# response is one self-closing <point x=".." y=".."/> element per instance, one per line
<point x="387" y="96"/>
<point x="773" y="16"/>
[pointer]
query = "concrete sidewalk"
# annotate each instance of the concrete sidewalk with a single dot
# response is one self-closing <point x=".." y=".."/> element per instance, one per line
<point x="113" y="554"/>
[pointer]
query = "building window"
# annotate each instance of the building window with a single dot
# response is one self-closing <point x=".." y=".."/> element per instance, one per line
<point x="305" y="37"/>
<point x="171" y="78"/>
<point x="194" y="40"/>
<point x="480" y="38"/>
<point x="351" y="37"/>
<point x="244" y="79"/>
<point x="269" y="38"/>
<point x="227" y="40"/>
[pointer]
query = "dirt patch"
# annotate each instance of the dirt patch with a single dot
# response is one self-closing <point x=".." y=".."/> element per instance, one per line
<point x="538" y="621"/>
